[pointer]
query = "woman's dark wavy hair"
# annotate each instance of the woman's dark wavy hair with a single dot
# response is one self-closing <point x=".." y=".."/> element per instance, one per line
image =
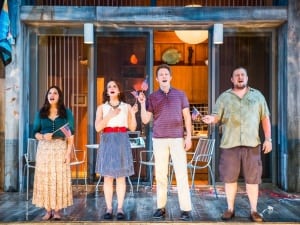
<point x="61" y="108"/>
<point x="121" y="96"/>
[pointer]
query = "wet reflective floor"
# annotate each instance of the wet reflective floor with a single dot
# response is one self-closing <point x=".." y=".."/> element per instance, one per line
<point x="274" y="204"/>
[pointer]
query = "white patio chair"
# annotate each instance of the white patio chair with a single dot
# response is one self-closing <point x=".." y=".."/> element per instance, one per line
<point x="201" y="159"/>
<point x="77" y="161"/>
<point x="148" y="162"/>
<point x="30" y="160"/>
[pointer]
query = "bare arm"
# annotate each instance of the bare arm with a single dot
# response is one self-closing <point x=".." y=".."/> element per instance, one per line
<point x="131" y="117"/>
<point x="145" y="115"/>
<point x="266" y="125"/>
<point x="70" y="145"/>
<point x="188" y="127"/>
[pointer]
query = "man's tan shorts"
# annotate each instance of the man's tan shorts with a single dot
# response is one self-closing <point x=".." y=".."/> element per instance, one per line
<point x="231" y="160"/>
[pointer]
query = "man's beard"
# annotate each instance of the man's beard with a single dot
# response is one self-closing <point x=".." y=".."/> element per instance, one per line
<point x="240" y="87"/>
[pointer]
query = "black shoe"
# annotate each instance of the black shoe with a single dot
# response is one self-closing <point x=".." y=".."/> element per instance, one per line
<point x="227" y="215"/>
<point x="185" y="215"/>
<point x="108" y="216"/>
<point x="120" y="216"/>
<point x="159" y="213"/>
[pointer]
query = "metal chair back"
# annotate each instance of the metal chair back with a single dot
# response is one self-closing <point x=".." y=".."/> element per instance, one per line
<point x="30" y="155"/>
<point x="201" y="159"/>
<point x="203" y="153"/>
<point x="77" y="161"/>
<point x="31" y="151"/>
<point x="146" y="159"/>
<point x="149" y="162"/>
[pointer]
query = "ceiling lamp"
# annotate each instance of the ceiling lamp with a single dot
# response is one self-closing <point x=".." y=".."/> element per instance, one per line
<point x="192" y="36"/>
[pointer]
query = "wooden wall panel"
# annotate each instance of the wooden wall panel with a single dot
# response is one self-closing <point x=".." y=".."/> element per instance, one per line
<point x="193" y="80"/>
<point x="199" y="84"/>
<point x="164" y="41"/>
<point x="65" y="70"/>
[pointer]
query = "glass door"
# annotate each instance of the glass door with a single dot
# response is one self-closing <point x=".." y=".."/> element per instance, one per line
<point x="123" y="57"/>
<point x="252" y="51"/>
<point x="62" y="62"/>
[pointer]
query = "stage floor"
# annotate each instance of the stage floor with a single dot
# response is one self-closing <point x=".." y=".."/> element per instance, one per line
<point x="275" y="205"/>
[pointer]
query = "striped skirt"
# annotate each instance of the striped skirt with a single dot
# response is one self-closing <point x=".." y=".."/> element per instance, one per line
<point x="114" y="156"/>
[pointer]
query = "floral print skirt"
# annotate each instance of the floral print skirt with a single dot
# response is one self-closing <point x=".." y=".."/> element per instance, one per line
<point x="52" y="187"/>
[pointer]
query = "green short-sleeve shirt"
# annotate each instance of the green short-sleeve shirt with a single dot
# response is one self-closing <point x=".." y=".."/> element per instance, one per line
<point x="239" y="118"/>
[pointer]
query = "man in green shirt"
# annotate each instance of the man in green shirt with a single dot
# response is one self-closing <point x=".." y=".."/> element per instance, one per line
<point x="239" y="111"/>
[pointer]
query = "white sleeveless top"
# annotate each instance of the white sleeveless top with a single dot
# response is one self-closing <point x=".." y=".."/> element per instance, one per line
<point x="121" y="120"/>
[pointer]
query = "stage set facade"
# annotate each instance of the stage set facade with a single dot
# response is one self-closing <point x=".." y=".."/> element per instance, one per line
<point x="79" y="45"/>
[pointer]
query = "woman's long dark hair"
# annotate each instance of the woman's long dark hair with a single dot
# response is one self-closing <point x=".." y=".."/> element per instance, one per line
<point x="121" y="96"/>
<point x="61" y="108"/>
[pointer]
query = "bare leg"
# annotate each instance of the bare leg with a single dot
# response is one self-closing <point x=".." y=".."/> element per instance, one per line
<point x="48" y="215"/>
<point x="252" y="192"/>
<point x="230" y="191"/>
<point x="108" y="192"/>
<point x="56" y="214"/>
<point x="121" y="190"/>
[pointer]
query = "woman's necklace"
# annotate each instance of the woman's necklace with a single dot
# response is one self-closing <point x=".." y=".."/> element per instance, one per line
<point x="114" y="106"/>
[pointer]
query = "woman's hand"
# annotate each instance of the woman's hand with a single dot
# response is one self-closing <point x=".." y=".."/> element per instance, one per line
<point x="114" y="112"/>
<point x="47" y="136"/>
<point x="67" y="158"/>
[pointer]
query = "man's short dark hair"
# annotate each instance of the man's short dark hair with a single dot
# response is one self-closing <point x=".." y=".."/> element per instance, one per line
<point x="165" y="66"/>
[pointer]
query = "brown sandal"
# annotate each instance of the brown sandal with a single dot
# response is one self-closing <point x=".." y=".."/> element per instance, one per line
<point x="56" y="216"/>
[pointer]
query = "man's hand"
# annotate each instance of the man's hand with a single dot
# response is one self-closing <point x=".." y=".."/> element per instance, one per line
<point x="208" y="119"/>
<point x="187" y="144"/>
<point x="267" y="147"/>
